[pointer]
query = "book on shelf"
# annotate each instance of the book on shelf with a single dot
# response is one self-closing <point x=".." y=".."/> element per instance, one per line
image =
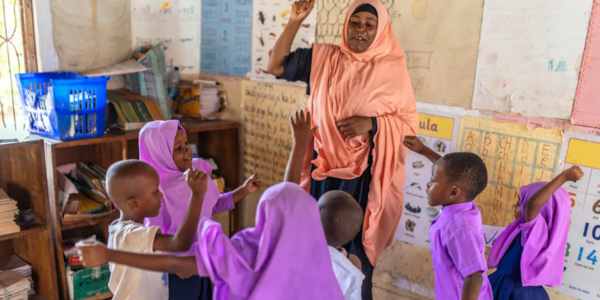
<point x="8" y="212"/>
<point x="14" y="286"/>
<point x="15" y="264"/>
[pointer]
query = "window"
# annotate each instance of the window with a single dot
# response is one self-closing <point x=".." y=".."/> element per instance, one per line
<point x="17" y="55"/>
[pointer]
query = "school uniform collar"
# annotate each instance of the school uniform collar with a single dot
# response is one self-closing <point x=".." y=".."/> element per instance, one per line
<point x="456" y="208"/>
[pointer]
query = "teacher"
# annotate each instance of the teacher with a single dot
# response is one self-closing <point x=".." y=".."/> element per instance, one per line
<point x="362" y="100"/>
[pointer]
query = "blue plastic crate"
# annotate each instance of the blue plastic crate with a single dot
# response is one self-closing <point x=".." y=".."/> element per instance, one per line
<point x="63" y="105"/>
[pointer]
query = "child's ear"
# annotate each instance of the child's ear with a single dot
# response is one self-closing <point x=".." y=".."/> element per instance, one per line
<point x="455" y="191"/>
<point x="132" y="203"/>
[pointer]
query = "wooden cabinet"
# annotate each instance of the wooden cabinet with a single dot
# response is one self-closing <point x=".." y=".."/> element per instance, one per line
<point x="22" y="177"/>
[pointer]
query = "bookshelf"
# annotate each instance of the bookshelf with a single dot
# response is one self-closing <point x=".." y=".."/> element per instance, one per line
<point x="22" y="177"/>
<point x="214" y="139"/>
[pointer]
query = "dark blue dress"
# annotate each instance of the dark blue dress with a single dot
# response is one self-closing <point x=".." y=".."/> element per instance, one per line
<point x="506" y="281"/>
<point x="296" y="67"/>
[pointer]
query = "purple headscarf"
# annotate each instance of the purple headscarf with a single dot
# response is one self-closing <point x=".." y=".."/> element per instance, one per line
<point x="284" y="257"/>
<point x="156" y="148"/>
<point x="544" y="239"/>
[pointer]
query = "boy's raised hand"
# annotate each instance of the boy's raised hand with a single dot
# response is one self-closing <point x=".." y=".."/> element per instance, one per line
<point x="301" y="130"/>
<point x="197" y="181"/>
<point x="573" y="173"/>
<point x="92" y="253"/>
<point x="414" y="144"/>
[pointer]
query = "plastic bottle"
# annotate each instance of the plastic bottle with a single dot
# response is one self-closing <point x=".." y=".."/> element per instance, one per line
<point x="174" y="79"/>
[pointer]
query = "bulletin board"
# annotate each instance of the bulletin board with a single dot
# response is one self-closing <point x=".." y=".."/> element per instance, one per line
<point x="267" y="108"/>
<point x="514" y="156"/>
<point x="582" y="270"/>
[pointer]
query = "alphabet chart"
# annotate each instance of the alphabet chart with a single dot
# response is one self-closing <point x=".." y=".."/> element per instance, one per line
<point x="582" y="269"/>
<point x="226" y="37"/>
<point x="514" y="156"/>
<point x="437" y="130"/>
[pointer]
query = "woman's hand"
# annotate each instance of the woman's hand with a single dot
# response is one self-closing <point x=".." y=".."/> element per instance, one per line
<point x="301" y="9"/>
<point x="355" y="126"/>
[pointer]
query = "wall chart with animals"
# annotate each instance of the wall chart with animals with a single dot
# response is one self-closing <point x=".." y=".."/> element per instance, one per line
<point x="439" y="131"/>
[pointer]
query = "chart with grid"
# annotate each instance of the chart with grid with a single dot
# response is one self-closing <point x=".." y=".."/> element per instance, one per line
<point x="512" y="161"/>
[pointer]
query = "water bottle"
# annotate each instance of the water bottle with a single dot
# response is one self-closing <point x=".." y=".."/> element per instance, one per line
<point x="174" y="79"/>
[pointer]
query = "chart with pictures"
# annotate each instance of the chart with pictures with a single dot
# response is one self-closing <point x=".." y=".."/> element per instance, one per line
<point x="269" y="20"/>
<point x="438" y="131"/>
<point x="582" y="269"/>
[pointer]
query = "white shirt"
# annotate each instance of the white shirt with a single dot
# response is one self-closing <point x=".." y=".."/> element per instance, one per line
<point x="348" y="276"/>
<point x="128" y="283"/>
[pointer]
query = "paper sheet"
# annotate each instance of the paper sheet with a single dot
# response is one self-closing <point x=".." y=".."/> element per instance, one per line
<point x="267" y="108"/>
<point x="586" y="110"/>
<point x="177" y="27"/>
<point x="226" y="37"/>
<point x="529" y="56"/>
<point x="441" y="40"/>
<point x="439" y="131"/>
<point x="582" y="271"/>
<point x="514" y="156"/>
<point x="268" y="21"/>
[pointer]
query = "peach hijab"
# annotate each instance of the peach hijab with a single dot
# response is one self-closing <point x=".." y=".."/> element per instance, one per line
<point x="374" y="83"/>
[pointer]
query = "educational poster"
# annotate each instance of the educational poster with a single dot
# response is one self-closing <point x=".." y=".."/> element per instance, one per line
<point x="529" y="56"/>
<point x="331" y="17"/>
<point x="437" y="130"/>
<point x="582" y="269"/>
<point x="514" y="156"/>
<point x="226" y="37"/>
<point x="586" y="110"/>
<point x="176" y="26"/>
<point x="268" y="21"/>
<point x="441" y="42"/>
<point x="268" y="138"/>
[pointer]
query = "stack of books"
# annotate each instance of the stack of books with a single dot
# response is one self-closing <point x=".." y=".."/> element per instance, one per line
<point x="14" y="264"/>
<point x="8" y="213"/>
<point x="82" y="192"/>
<point x="14" y="286"/>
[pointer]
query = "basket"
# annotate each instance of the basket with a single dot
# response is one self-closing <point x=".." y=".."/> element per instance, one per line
<point x="63" y="105"/>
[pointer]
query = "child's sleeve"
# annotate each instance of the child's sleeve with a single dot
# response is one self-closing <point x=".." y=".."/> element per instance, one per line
<point x="225" y="202"/>
<point x="464" y="250"/>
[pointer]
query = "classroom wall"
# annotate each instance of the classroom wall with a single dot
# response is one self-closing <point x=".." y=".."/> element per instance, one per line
<point x="84" y="35"/>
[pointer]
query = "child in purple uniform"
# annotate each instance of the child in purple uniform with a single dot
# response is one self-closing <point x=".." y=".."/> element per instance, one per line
<point x="456" y="234"/>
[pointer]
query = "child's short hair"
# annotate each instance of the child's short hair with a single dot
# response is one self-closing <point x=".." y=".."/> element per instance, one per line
<point x="121" y="176"/>
<point x="341" y="217"/>
<point x="469" y="169"/>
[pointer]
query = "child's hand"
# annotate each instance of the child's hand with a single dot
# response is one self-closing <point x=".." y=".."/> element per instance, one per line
<point x="197" y="181"/>
<point x="301" y="129"/>
<point x="573" y="173"/>
<point x="414" y="144"/>
<point x="252" y="184"/>
<point x="92" y="253"/>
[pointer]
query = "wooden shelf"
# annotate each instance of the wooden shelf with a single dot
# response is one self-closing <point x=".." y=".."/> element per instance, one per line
<point x="119" y="136"/>
<point x="36" y="297"/>
<point x="25" y="230"/>
<point x="98" y="218"/>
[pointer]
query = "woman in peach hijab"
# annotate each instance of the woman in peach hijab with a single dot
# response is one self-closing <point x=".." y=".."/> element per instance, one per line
<point x="362" y="100"/>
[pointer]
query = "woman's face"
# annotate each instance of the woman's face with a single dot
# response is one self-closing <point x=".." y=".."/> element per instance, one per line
<point x="361" y="32"/>
<point x="182" y="153"/>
